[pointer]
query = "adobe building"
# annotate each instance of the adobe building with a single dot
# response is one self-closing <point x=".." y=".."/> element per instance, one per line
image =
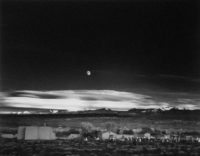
<point x="108" y="135"/>
<point x="46" y="133"/>
<point x="21" y="132"/>
<point x="36" y="133"/>
<point x="31" y="133"/>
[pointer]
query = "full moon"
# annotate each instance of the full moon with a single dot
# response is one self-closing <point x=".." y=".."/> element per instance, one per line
<point x="88" y="73"/>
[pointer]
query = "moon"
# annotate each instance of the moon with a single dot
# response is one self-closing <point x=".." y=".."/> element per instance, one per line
<point x="88" y="73"/>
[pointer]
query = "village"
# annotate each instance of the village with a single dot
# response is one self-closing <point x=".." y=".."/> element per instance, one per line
<point x="87" y="131"/>
<point x="88" y="139"/>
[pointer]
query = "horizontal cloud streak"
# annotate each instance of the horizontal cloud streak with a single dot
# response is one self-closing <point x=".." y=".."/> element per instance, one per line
<point x="79" y="100"/>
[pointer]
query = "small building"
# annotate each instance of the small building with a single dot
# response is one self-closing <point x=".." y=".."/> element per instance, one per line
<point x="189" y="138"/>
<point x="108" y="135"/>
<point x="119" y="136"/>
<point x="137" y="130"/>
<point x="138" y="136"/>
<point x="61" y="129"/>
<point x="147" y="135"/>
<point x="128" y="137"/>
<point x="166" y="136"/>
<point x="175" y="137"/>
<point x="36" y="133"/>
<point x="8" y="136"/>
<point x="73" y="136"/>
<point x="198" y="139"/>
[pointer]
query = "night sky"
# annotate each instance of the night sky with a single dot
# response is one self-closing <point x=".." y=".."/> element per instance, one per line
<point x="51" y="44"/>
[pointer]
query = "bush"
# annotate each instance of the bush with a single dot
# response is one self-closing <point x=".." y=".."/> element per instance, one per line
<point x="110" y="126"/>
<point x="87" y="127"/>
<point x="66" y="133"/>
<point x="128" y="132"/>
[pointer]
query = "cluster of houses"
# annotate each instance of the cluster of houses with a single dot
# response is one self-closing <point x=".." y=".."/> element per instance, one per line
<point x="65" y="133"/>
<point x="148" y="136"/>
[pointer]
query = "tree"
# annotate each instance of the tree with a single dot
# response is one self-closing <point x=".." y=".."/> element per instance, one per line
<point x="110" y="126"/>
<point x="87" y="127"/>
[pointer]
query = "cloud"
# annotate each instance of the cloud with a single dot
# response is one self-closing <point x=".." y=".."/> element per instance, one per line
<point x="78" y="100"/>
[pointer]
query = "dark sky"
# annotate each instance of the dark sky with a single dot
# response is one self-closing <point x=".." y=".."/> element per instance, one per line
<point x="50" y="44"/>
